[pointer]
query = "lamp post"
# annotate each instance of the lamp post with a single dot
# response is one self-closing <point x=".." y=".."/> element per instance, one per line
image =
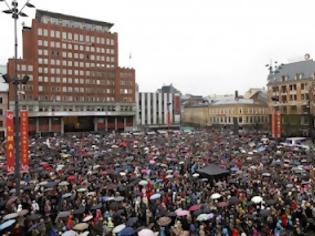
<point x="14" y="11"/>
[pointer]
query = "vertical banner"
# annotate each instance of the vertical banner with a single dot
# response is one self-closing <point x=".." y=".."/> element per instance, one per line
<point x="273" y="125"/>
<point x="278" y="124"/>
<point x="9" y="141"/>
<point x="24" y="140"/>
<point x="168" y="118"/>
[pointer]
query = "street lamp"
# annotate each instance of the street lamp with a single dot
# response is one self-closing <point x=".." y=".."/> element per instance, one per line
<point x="14" y="11"/>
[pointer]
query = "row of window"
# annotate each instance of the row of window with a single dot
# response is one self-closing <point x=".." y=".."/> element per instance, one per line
<point x="250" y="110"/>
<point x="71" y="55"/>
<point x="75" y="37"/>
<point x="70" y="89"/>
<point x="74" y="24"/>
<point x="23" y="67"/>
<point x="241" y="120"/>
<point x="59" y="98"/>
<point x="70" y="46"/>
<point x="53" y="79"/>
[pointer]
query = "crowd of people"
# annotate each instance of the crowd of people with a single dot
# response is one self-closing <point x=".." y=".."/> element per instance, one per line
<point x="150" y="184"/>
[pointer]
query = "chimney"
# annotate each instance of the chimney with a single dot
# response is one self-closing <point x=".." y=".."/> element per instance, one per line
<point x="236" y="95"/>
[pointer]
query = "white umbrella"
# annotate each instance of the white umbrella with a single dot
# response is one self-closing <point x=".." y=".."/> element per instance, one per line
<point x="63" y="183"/>
<point x="69" y="233"/>
<point x="146" y="232"/>
<point x="119" y="228"/>
<point x="215" y="196"/>
<point x="257" y="199"/>
<point x="143" y="182"/>
<point x="266" y="174"/>
<point x="202" y="217"/>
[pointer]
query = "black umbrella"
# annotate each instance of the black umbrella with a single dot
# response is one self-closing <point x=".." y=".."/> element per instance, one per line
<point x="234" y="200"/>
<point x="98" y="206"/>
<point x="34" y="217"/>
<point x="79" y="211"/>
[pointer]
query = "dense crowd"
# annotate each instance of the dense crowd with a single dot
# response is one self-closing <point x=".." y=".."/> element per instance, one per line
<point x="137" y="184"/>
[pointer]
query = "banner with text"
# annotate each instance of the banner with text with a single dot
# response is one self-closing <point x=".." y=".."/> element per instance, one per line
<point x="24" y="140"/>
<point x="9" y="141"/>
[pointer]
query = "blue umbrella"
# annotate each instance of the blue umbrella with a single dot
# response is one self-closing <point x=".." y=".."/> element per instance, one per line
<point x="234" y="169"/>
<point x="128" y="231"/>
<point x="6" y="224"/>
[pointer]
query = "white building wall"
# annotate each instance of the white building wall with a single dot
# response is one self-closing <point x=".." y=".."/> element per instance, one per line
<point x="148" y="109"/>
<point x="154" y="108"/>
<point x="161" y="118"/>
<point x="170" y="108"/>
<point x="142" y="108"/>
<point x="165" y="108"/>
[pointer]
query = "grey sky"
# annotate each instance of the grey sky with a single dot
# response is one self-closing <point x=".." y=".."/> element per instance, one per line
<point x="202" y="46"/>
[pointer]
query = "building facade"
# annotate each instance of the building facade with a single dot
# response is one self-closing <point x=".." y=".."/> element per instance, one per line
<point x="75" y="81"/>
<point x="195" y="115"/>
<point x="4" y="104"/>
<point x="291" y="92"/>
<point x="158" y="110"/>
<point x="228" y="111"/>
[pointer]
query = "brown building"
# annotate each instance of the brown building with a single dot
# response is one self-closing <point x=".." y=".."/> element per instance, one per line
<point x="75" y="81"/>
<point x="290" y="92"/>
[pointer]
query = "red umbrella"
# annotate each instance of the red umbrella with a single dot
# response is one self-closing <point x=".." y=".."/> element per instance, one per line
<point x="195" y="207"/>
<point x="71" y="178"/>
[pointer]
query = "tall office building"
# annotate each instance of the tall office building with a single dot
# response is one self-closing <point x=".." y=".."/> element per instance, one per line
<point x="75" y="81"/>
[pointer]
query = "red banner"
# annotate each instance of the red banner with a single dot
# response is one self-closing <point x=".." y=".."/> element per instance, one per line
<point x="278" y="124"/>
<point x="177" y="104"/>
<point x="273" y="125"/>
<point x="24" y="140"/>
<point x="10" y="141"/>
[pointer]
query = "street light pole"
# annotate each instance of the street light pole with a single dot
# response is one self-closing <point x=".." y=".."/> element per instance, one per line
<point x="15" y="12"/>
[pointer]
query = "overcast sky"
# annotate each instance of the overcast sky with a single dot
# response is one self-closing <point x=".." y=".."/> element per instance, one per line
<point x="201" y="46"/>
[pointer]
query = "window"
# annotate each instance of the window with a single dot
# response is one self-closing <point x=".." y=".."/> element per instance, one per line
<point x="52" y="44"/>
<point x="76" y="37"/>
<point x="70" y="36"/>
<point x="40" y="42"/>
<point x="45" y="32"/>
<point x="64" y="35"/>
<point x="40" y="31"/>
<point x="57" y="34"/>
<point x="52" y="33"/>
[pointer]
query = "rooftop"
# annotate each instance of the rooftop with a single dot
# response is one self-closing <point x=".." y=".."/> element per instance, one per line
<point x="42" y="13"/>
<point x="303" y="69"/>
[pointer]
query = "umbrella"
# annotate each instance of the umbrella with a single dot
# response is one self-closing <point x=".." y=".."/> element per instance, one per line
<point x="81" y="226"/>
<point x="10" y="216"/>
<point x="164" y="221"/>
<point x="98" y="206"/>
<point x="7" y="224"/>
<point x="88" y="218"/>
<point x="69" y="233"/>
<point x="266" y="174"/>
<point x="132" y="221"/>
<point x="143" y="182"/>
<point x="169" y="176"/>
<point x="23" y="212"/>
<point x="215" y="196"/>
<point x="128" y="231"/>
<point x="119" y="199"/>
<point x="34" y="217"/>
<point x="11" y="201"/>
<point x="63" y="214"/>
<point x="233" y="200"/>
<point x="79" y="211"/>
<point x="155" y="196"/>
<point x="43" y="183"/>
<point x="66" y="195"/>
<point x="182" y="213"/>
<point x="195" y="207"/>
<point x="257" y="199"/>
<point x="63" y="183"/>
<point x="202" y="217"/>
<point x="146" y="232"/>
<point x="119" y="228"/>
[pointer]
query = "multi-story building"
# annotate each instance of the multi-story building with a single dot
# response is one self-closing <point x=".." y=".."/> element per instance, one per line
<point x="75" y="81"/>
<point x="159" y="109"/>
<point x="290" y="92"/>
<point x="226" y="111"/>
<point x="249" y="112"/>
<point x="3" y="100"/>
